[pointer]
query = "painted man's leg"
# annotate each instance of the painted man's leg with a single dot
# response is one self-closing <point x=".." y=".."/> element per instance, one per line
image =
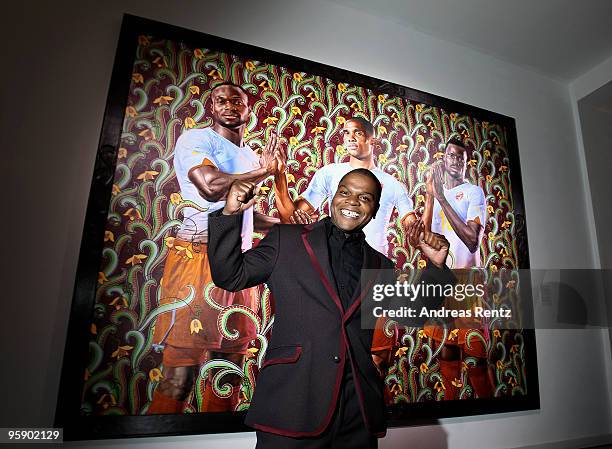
<point x="173" y="390"/>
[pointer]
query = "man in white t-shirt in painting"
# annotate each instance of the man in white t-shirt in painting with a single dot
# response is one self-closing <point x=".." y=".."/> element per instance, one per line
<point x="358" y="139"/>
<point x="207" y="161"/>
<point x="456" y="208"/>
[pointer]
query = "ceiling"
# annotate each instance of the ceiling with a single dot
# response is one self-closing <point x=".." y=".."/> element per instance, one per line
<point x="561" y="39"/>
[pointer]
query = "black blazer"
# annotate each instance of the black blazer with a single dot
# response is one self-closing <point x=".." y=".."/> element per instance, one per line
<point x="313" y="338"/>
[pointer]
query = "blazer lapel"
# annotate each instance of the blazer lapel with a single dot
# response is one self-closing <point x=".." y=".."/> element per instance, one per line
<point x="315" y="240"/>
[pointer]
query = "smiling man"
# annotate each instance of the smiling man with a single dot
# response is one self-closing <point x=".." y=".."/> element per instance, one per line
<point x="317" y="386"/>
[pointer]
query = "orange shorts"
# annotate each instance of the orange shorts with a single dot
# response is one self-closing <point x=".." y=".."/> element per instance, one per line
<point x="195" y="323"/>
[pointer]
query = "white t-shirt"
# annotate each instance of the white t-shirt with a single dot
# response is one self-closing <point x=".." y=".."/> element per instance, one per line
<point x="192" y="148"/>
<point x="468" y="201"/>
<point x="324" y="184"/>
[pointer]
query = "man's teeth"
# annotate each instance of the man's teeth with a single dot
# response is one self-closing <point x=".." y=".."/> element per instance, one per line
<point x="349" y="213"/>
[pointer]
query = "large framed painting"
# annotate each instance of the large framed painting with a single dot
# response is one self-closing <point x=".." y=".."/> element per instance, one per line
<point x="155" y="348"/>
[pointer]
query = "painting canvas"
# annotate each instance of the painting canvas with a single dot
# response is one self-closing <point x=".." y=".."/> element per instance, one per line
<point x="144" y="308"/>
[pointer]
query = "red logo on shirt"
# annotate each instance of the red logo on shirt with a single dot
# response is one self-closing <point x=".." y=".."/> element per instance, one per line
<point x="459" y="196"/>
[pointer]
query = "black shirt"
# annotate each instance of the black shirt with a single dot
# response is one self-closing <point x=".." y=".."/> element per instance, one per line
<point x="346" y="260"/>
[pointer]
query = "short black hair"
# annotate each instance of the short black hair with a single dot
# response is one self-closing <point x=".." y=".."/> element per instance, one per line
<point x="367" y="126"/>
<point x="229" y="83"/>
<point x="372" y="176"/>
<point x="458" y="142"/>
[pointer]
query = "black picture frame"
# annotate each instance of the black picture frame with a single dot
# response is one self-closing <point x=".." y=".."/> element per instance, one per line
<point x="79" y="427"/>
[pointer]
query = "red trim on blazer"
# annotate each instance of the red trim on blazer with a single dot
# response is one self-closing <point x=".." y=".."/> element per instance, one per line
<point x="289" y="359"/>
<point x="330" y="411"/>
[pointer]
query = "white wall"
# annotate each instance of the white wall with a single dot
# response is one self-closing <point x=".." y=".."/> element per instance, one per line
<point x="52" y="108"/>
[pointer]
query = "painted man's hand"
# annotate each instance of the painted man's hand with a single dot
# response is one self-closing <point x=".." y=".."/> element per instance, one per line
<point x="300" y="217"/>
<point x="267" y="159"/>
<point x="240" y="197"/>
<point x="280" y="156"/>
<point x="434" y="247"/>
<point x="437" y="175"/>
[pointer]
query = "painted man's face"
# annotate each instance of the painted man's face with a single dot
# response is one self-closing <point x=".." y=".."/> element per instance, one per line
<point x="455" y="161"/>
<point x="355" y="140"/>
<point x="230" y="106"/>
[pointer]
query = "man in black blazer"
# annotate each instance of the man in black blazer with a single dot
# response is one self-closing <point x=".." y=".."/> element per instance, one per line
<point x="318" y="386"/>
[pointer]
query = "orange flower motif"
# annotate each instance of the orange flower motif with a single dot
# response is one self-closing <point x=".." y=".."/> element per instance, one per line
<point x="189" y="123"/>
<point x="420" y="139"/>
<point x="356" y="107"/>
<point x="401" y="351"/>
<point x="494" y="268"/>
<point x="514" y="348"/>
<point x="115" y="190"/>
<point x="438" y="155"/>
<point x="130" y="111"/>
<point x="486" y="153"/>
<point x="317" y="130"/>
<point x="195" y="326"/>
<point x="341" y="87"/>
<point x="423" y="368"/>
<point x="401" y="147"/>
<point x="485" y="125"/>
<point x="290" y="177"/>
<point x="422" y="264"/>
<point x="143" y="40"/>
<point x="381" y="98"/>
<point x="457" y="383"/>
<point x="491" y="236"/>
<point x="293" y="141"/>
<point x="511" y="283"/>
<point x="147" y="134"/>
<point x="195" y="90"/>
<point x="160" y="62"/>
<point x="250" y="66"/>
<point x="472" y="162"/>
<point x="506" y="223"/>
<point x="186" y="251"/>
<point x="215" y="74"/>
<point x="270" y="120"/>
<point x="121" y="351"/>
<point x="503" y="168"/>
<point x="102" y="278"/>
<point x="340" y="120"/>
<point x="137" y="78"/>
<point x="453" y="334"/>
<point x="122" y="153"/>
<point x="164" y="99"/>
<point x="421" y="166"/>
<point x="155" y="375"/>
<point x="312" y="96"/>
<point x="297" y="76"/>
<point x="136" y="259"/>
<point x="419" y="108"/>
<point x="382" y="130"/>
<point x="421" y="333"/>
<point x="109" y="236"/>
<point x="119" y="302"/>
<point x="198" y="53"/>
<point x="251" y="352"/>
<point x="133" y="214"/>
<point x="148" y="175"/>
<point x="296" y="111"/>
<point x="499" y="364"/>
<point x="340" y="150"/>
<point x="93" y="329"/>
<point x="176" y="198"/>
<point x="439" y="386"/>
<point x="453" y="116"/>
<point x="489" y="178"/>
<point x="496" y="333"/>
<point x="490" y="209"/>
<point x="420" y="198"/>
<point x="382" y="158"/>
<point x="169" y="242"/>
<point x="265" y="85"/>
